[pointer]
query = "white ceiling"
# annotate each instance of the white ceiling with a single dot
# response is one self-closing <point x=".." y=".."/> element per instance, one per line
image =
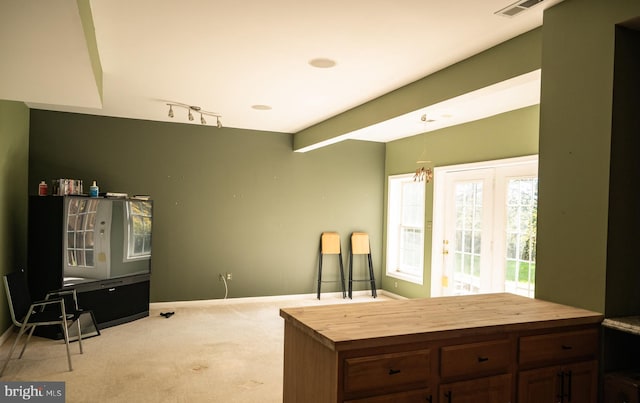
<point x="226" y="56"/>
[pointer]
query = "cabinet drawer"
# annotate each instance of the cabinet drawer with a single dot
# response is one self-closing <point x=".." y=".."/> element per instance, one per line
<point x="386" y="372"/>
<point x="474" y="358"/>
<point x="557" y="347"/>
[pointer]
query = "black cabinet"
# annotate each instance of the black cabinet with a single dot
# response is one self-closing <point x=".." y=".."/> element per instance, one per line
<point x="99" y="246"/>
<point x="116" y="302"/>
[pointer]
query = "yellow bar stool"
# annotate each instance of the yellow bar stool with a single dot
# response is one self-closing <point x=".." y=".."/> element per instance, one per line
<point x="360" y="246"/>
<point x="330" y="245"/>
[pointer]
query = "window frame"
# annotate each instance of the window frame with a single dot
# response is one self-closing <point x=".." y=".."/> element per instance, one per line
<point x="395" y="225"/>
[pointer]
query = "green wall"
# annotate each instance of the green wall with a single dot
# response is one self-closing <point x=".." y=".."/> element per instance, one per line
<point x="225" y="200"/>
<point x="507" y="135"/>
<point x="575" y="138"/>
<point x="14" y="153"/>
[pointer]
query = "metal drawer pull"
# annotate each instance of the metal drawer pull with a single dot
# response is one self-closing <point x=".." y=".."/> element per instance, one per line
<point x="483" y="359"/>
<point x="565" y="347"/>
<point x="394" y="371"/>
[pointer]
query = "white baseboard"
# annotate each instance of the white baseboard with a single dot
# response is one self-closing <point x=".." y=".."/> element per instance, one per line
<point x="271" y="298"/>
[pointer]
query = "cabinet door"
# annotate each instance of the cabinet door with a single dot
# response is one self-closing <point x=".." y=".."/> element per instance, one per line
<point x="414" y="396"/>
<point x="575" y="383"/>
<point x="493" y="389"/>
<point x="583" y="379"/>
<point x="539" y="385"/>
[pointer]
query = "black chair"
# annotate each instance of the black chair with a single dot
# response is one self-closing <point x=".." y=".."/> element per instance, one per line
<point x="27" y="314"/>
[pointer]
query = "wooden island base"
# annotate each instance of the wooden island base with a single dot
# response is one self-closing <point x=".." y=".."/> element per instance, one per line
<point x="479" y="348"/>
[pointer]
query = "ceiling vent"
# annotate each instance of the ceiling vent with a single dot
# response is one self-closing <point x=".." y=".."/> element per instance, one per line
<point x="517" y="7"/>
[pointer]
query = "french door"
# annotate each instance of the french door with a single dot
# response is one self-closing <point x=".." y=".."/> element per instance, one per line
<point x="485" y="218"/>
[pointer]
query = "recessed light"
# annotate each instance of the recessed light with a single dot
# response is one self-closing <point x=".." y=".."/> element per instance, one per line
<point x="261" y="107"/>
<point x="322" y="63"/>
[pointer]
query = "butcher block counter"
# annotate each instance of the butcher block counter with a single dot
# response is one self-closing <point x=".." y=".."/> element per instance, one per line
<point x="490" y="348"/>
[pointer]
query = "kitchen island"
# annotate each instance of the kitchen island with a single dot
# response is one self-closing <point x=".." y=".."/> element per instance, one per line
<point x="490" y="348"/>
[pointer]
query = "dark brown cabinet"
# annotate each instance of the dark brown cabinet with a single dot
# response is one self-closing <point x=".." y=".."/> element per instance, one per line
<point x="494" y="389"/>
<point x="576" y="383"/>
<point x="495" y="348"/>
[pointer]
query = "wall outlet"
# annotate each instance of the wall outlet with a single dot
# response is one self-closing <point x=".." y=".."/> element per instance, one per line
<point x="225" y="276"/>
<point x="229" y="276"/>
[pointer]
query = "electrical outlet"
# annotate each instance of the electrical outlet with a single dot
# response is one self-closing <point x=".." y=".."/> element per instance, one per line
<point x="229" y="276"/>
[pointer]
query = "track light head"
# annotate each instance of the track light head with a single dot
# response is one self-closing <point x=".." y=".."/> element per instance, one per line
<point x="191" y="109"/>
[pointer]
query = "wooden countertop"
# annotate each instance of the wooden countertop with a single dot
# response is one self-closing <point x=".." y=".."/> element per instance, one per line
<point x="369" y="324"/>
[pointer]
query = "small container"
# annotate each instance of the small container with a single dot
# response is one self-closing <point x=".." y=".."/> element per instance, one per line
<point x="94" y="191"/>
<point x="43" y="189"/>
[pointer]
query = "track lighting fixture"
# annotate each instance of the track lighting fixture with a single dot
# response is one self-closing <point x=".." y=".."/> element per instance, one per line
<point x="191" y="109"/>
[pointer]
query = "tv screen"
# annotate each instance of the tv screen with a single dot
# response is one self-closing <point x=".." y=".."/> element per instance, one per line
<point x="106" y="238"/>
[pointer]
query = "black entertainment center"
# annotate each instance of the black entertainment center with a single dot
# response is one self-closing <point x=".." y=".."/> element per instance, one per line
<point x="99" y="246"/>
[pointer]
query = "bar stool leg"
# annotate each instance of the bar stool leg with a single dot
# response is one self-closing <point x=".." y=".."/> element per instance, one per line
<point x="319" y="273"/>
<point x="372" y="279"/>
<point x="344" y="293"/>
<point x="350" y="275"/>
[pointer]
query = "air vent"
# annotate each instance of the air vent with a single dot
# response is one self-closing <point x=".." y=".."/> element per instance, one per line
<point x="517" y="7"/>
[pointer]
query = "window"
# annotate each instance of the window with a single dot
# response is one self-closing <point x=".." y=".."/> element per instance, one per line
<point x="522" y="219"/>
<point x="139" y="229"/>
<point x="405" y="228"/>
<point x="81" y="220"/>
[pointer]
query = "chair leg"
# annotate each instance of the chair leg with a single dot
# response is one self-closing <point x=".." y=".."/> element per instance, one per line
<point x="344" y="293"/>
<point x="79" y="334"/>
<point x="13" y="347"/>
<point x="319" y="273"/>
<point x="350" y="275"/>
<point x="65" y="331"/>
<point x="372" y="279"/>
<point x="26" y="342"/>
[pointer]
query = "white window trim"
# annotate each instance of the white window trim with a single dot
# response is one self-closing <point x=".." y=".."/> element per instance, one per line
<point x="393" y="240"/>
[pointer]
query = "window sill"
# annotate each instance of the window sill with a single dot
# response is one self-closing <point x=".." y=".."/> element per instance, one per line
<point x="406" y="277"/>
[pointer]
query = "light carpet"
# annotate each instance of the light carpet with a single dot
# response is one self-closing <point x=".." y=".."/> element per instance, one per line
<point x="208" y="351"/>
